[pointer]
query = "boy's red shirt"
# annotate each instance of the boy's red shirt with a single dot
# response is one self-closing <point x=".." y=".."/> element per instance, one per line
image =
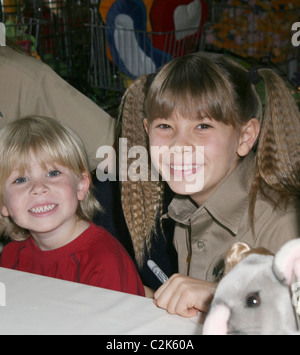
<point x="95" y="258"/>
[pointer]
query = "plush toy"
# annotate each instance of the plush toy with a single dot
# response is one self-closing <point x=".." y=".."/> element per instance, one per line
<point x="259" y="295"/>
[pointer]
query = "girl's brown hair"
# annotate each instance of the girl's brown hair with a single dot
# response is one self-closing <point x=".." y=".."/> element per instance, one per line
<point x="218" y="87"/>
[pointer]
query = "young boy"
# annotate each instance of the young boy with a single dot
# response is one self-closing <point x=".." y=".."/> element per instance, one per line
<point x="47" y="205"/>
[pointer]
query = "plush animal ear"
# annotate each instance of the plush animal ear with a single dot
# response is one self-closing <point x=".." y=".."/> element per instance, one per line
<point x="286" y="263"/>
<point x="216" y="322"/>
<point x="239" y="251"/>
<point x="235" y="255"/>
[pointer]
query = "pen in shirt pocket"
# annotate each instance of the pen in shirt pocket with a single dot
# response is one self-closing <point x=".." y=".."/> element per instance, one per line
<point x="157" y="271"/>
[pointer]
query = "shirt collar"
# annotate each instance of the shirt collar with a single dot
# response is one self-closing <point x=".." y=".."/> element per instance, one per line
<point x="227" y="204"/>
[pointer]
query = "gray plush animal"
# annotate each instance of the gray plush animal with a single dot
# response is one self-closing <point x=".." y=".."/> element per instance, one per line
<point x="259" y="295"/>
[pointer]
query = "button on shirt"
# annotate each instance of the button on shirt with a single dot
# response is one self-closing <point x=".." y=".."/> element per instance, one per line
<point x="203" y="234"/>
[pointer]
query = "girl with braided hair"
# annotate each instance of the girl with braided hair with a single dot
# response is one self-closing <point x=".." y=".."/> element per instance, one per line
<point x="250" y="168"/>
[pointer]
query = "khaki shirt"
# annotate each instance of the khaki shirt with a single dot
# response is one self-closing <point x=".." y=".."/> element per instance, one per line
<point x="203" y="234"/>
<point x="29" y="87"/>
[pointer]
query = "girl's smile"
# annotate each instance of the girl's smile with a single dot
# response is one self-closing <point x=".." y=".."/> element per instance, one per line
<point x="184" y="170"/>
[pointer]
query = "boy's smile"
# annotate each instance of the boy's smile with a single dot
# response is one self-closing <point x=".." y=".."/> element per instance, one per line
<point x="43" y="209"/>
<point x="44" y="201"/>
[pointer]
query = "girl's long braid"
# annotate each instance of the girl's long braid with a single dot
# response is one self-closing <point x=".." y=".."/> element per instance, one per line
<point x="141" y="200"/>
<point x="278" y="153"/>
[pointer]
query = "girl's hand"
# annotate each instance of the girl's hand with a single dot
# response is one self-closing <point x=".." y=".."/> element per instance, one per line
<point x="184" y="295"/>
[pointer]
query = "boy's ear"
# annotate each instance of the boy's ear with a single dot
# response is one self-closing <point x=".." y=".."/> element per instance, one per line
<point x="146" y="125"/>
<point x="83" y="186"/>
<point x="4" y="210"/>
<point x="248" y="136"/>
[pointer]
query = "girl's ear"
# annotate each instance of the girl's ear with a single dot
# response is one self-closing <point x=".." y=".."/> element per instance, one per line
<point x="146" y="125"/>
<point x="248" y="136"/>
<point x="83" y="186"/>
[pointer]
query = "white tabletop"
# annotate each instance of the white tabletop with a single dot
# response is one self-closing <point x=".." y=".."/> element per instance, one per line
<point x="42" y="305"/>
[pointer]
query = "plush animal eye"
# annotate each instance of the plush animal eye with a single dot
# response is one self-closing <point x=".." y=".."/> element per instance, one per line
<point x="253" y="300"/>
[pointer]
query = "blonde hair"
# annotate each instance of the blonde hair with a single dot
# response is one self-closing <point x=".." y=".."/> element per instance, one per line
<point x="213" y="85"/>
<point x="50" y="142"/>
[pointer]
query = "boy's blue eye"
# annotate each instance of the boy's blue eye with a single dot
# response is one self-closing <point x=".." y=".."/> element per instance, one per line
<point x="203" y="126"/>
<point x="53" y="173"/>
<point x="20" y="180"/>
